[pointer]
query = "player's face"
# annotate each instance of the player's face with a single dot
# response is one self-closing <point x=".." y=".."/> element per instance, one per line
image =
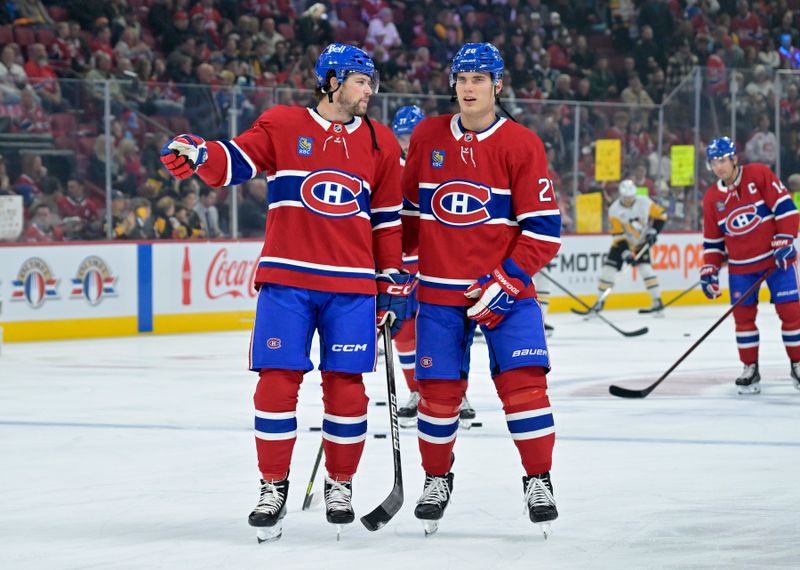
<point x="476" y="93"/>
<point x="628" y="201"/>
<point x="404" y="141"/>
<point x="354" y="94"/>
<point x="724" y="167"/>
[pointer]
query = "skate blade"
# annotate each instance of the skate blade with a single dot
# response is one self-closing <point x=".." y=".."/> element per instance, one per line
<point x="269" y="533"/>
<point x="430" y="527"/>
<point x="465" y="424"/>
<point x="750" y="390"/>
<point x="546" y="529"/>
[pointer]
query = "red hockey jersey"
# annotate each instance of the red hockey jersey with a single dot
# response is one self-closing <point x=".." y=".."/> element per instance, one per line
<point x="472" y="200"/>
<point x="739" y="221"/>
<point x="333" y="200"/>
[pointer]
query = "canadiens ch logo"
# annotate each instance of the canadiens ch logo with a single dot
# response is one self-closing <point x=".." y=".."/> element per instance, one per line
<point x="461" y="203"/>
<point x="437" y="159"/>
<point x="331" y="193"/>
<point x="94" y="281"/>
<point x="426" y="361"/>
<point x="274" y="343"/>
<point x="305" y="146"/>
<point x="34" y="283"/>
<point x="742" y="220"/>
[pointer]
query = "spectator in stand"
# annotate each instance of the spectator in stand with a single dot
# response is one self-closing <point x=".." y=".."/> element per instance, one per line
<point x="201" y="107"/>
<point x="762" y="83"/>
<point x="28" y="183"/>
<point x="382" y="32"/>
<point x="123" y="220"/>
<point x="5" y="181"/>
<point x="43" y="78"/>
<point x="207" y="210"/>
<point x="604" y="85"/>
<point x="40" y="228"/>
<point x="211" y="18"/>
<point x="205" y="41"/>
<point x="680" y="64"/>
<point x="762" y="146"/>
<point x="163" y="224"/>
<point x="13" y="78"/>
<point x="545" y="76"/>
<point x="624" y="75"/>
<point x="189" y="200"/>
<point x="143" y="220"/>
<point x="253" y="210"/>
<point x="64" y="52"/>
<point x="582" y="59"/>
<point x="648" y="51"/>
<point x="562" y="90"/>
<point x="768" y="55"/>
<point x="269" y="35"/>
<point x="131" y="46"/>
<point x="793" y="183"/>
<point x="102" y="42"/>
<point x="583" y="92"/>
<point x="641" y="180"/>
<point x="77" y="205"/>
<point x="31" y="118"/>
<point x="656" y="86"/>
<point x="733" y="56"/>
<point x="635" y="94"/>
<point x="520" y="72"/>
<point x="560" y="51"/>
<point x="313" y="27"/>
<point x="746" y="25"/>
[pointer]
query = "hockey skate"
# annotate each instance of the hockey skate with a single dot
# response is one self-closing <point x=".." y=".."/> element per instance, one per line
<point x="657" y="310"/>
<point x="548" y="330"/>
<point x="338" y="503"/>
<point x="466" y="414"/>
<point x="749" y="381"/>
<point x="795" y="372"/>
<point x="591" y="311"/>
<point x="268" y="515"/>
<point x="434" y="500"/>
<point x="407" y="415"/>
<point x="539" y="501"/>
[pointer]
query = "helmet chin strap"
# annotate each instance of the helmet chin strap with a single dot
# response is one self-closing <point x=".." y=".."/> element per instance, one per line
<point x="330" y="75"/>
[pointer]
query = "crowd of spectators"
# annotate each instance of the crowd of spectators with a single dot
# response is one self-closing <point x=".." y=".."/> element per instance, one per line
<point x="174" y="66"/>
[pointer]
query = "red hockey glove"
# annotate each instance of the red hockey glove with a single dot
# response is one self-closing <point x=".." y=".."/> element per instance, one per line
<point x="709" y="279"/>
<point x="496" y="293"/>
<point x="392" y="301"/>
<point x="783" y="250"/>
<point x="183" y="154"/>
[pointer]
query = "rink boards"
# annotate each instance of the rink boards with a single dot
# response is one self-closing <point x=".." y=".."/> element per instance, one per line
<point x="87" y="289"/>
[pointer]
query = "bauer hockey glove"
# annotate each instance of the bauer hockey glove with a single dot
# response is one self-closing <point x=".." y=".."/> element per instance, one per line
<point x="783" y="250"/>
<point x="183" y="154"/>
<point x="650" y="236"/>
<point x="495" y="293"/>
<point x="709" y="279"/>
<point x="392" y="300"/>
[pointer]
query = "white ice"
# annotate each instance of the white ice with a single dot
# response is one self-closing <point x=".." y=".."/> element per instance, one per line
<point x="138" y="453"/>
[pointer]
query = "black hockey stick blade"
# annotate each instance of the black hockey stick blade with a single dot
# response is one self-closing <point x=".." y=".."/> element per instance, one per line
<point x="383" y="513"/>
<point x="627" y="393"/>
<point x="581" y="312"/>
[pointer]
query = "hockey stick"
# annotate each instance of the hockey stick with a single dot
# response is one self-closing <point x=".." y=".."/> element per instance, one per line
<point x="309" y="495"/>
<point x="390" y="506"/>
<point x="637" y="332"/>
<point x="690" y="289"/>
<point x="604" y="295"/>
<point x="627" y="393"/>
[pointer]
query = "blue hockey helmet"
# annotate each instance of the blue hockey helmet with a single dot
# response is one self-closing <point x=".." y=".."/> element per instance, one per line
<point x="477" y="57"/>
<point x="720" y="148"/>
<point x="406" y="119"/>
<point x="342" y="60"/>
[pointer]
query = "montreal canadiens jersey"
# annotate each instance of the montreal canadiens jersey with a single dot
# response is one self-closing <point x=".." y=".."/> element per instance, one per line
<point x="333" y="200"/>
<point x="630" y="224"/>
<point x="739" y="221"/>
<point x="472" y="200"/>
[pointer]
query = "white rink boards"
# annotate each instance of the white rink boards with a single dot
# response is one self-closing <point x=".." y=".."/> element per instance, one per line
<point x="137" y="453"/>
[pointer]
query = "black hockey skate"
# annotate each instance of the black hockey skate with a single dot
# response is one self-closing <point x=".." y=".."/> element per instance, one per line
<point x="466" y="413"/>
<point x="539" y="500"/>
<point x="591" y="311"/>
<point x="795" y="372"/>
<point x="657" y="310"/>
<point x="434" y="500"/>
<point x="407" y="415"/>
<point x="268" y="515"/>
<point x="338" y="503"/>
<point x="749" y="381"/>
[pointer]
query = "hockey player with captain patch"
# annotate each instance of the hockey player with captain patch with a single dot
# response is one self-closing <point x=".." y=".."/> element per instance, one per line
<point x="750" y="220"/>
<point x="486" y="220"/>
<point x="405" y="120"/>
<point x="333" y="203"/>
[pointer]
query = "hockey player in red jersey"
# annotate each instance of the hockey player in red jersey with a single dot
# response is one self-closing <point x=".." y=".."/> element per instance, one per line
<point x="333" y="203"/>
<point x="486" y="221"/>
<point x="405" y="120"/>
<point x="750" y="219"/>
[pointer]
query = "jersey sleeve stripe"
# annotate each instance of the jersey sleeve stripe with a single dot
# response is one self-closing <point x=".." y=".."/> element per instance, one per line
<point x="408" y="205"/>
<point x="387" y="209"/>
<point x="784" y="205"/>
<point x="538" y="213"/>
<point x="543" y="225"/>
<point x="385" y="225"/>
<point x="240" y="167"/>
<point x="716" y="246"/>
<point x="786" y="214"/>
<point x="551" y="239"/>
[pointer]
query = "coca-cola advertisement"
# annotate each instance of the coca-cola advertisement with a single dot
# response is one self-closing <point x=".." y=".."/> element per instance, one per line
<point x="204" y="277"/>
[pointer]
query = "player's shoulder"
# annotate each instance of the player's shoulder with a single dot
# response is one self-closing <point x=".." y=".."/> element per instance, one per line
<point x="383" y="134"/>
<point x="516" y="136"/>
<point x="282" y="115"/>
<point x="435" y="124"/>
<point x="756" y="169"/>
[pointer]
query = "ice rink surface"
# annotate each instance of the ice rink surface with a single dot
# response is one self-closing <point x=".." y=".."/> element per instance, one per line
<point x="137" y="453"/>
